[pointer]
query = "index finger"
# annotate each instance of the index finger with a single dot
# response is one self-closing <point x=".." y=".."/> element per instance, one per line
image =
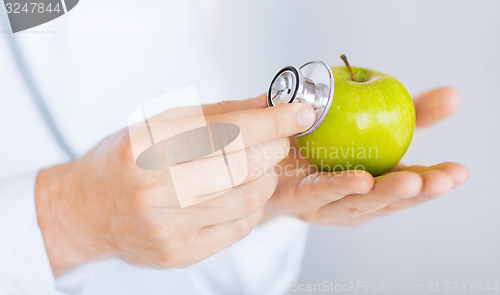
<point x="190" y="112"/>
<point x="263" y="125"/>
<point x="201" y="136"/>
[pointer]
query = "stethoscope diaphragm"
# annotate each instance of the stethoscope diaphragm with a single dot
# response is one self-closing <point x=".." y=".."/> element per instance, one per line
<point x="313" y="83"/>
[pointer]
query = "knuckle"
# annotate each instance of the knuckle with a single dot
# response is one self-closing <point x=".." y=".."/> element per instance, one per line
<point x="286" y="145"/>
<point x="239" y="166"/>
<point x="355" y="212"/>
<point x="277" y="124"/>
<point x="155" y="224"/>
<point x="242" y="228"/>
<point x="252" y="200"/>
<point x="125" y="152"/>
<point x="254" y="160"/>
<point x="276" y="151"/>
<point x="138" y="197"/>
<point x="170" y="252"/>
<point x="155" y="229"/>
<point x="362" y="183"/>
<point x="168" y="255"/>
<point x="284" y="149"/>
<point x="311" y="217"/>
<point x="270" y="185"/>
<point x="258" y="192"/>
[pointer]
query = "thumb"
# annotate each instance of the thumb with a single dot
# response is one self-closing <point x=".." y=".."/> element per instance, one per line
<point x="436" y="105"/>
<point x="259" y="102"/>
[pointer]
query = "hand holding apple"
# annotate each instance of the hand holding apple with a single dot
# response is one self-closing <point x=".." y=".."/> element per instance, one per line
<point x="353" y="198"/>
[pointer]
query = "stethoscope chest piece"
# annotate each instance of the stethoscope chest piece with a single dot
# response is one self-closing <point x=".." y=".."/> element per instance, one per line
<point x="312" y="83"/>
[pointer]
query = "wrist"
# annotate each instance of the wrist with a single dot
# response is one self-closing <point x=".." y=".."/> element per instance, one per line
<point x="61" y="210"/>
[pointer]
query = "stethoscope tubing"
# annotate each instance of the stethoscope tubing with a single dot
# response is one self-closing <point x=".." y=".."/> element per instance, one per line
<point x="35" y="92"/>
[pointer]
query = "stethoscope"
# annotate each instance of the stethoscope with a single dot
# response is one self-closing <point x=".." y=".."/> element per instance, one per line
<point x="312" y="83"/>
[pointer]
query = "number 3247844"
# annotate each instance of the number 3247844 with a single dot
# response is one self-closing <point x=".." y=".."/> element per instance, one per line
<point x="33" y="7"/>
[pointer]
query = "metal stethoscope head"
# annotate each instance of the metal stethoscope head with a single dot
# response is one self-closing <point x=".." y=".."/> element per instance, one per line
<point x="312" y="83"/>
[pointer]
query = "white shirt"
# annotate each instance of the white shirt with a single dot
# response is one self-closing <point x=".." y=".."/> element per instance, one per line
<point x="94" y="66"/>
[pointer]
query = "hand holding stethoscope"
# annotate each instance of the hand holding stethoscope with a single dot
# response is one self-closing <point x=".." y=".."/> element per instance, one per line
<point x="103" y="205"/>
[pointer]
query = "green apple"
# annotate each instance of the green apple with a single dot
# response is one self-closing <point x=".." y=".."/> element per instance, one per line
<point x="369" y="125"/>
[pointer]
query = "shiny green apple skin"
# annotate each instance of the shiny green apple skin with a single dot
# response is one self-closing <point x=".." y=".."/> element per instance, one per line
<point x="369" y="125"/>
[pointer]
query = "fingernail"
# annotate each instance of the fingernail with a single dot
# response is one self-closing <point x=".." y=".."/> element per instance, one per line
<point x="306" y="116"/>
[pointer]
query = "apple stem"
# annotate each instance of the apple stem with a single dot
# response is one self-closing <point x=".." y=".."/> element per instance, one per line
<point x="344" y="58"/>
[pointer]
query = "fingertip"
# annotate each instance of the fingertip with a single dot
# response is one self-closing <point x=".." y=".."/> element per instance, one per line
<point x="462" y="175"/>
<point x="365" y="181"/>
<point x="450" y="99"/>
<point x="436" y="105"/>
<point x="458" y="173"/>
<point x="291" y="118"/>
<point x="306" y="116"/>
<point x="437" y="182"/>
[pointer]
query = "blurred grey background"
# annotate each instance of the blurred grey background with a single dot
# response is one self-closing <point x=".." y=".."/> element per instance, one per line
<point x="424" y="44"/>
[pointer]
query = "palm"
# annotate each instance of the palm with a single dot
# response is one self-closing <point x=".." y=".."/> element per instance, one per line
<point x="351" y="199"/>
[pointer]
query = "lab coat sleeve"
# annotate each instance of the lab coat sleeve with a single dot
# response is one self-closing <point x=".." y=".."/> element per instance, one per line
<point x="24" y="264"/>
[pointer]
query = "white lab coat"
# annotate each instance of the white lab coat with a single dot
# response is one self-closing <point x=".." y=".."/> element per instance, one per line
<point x="94" y="66"/>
